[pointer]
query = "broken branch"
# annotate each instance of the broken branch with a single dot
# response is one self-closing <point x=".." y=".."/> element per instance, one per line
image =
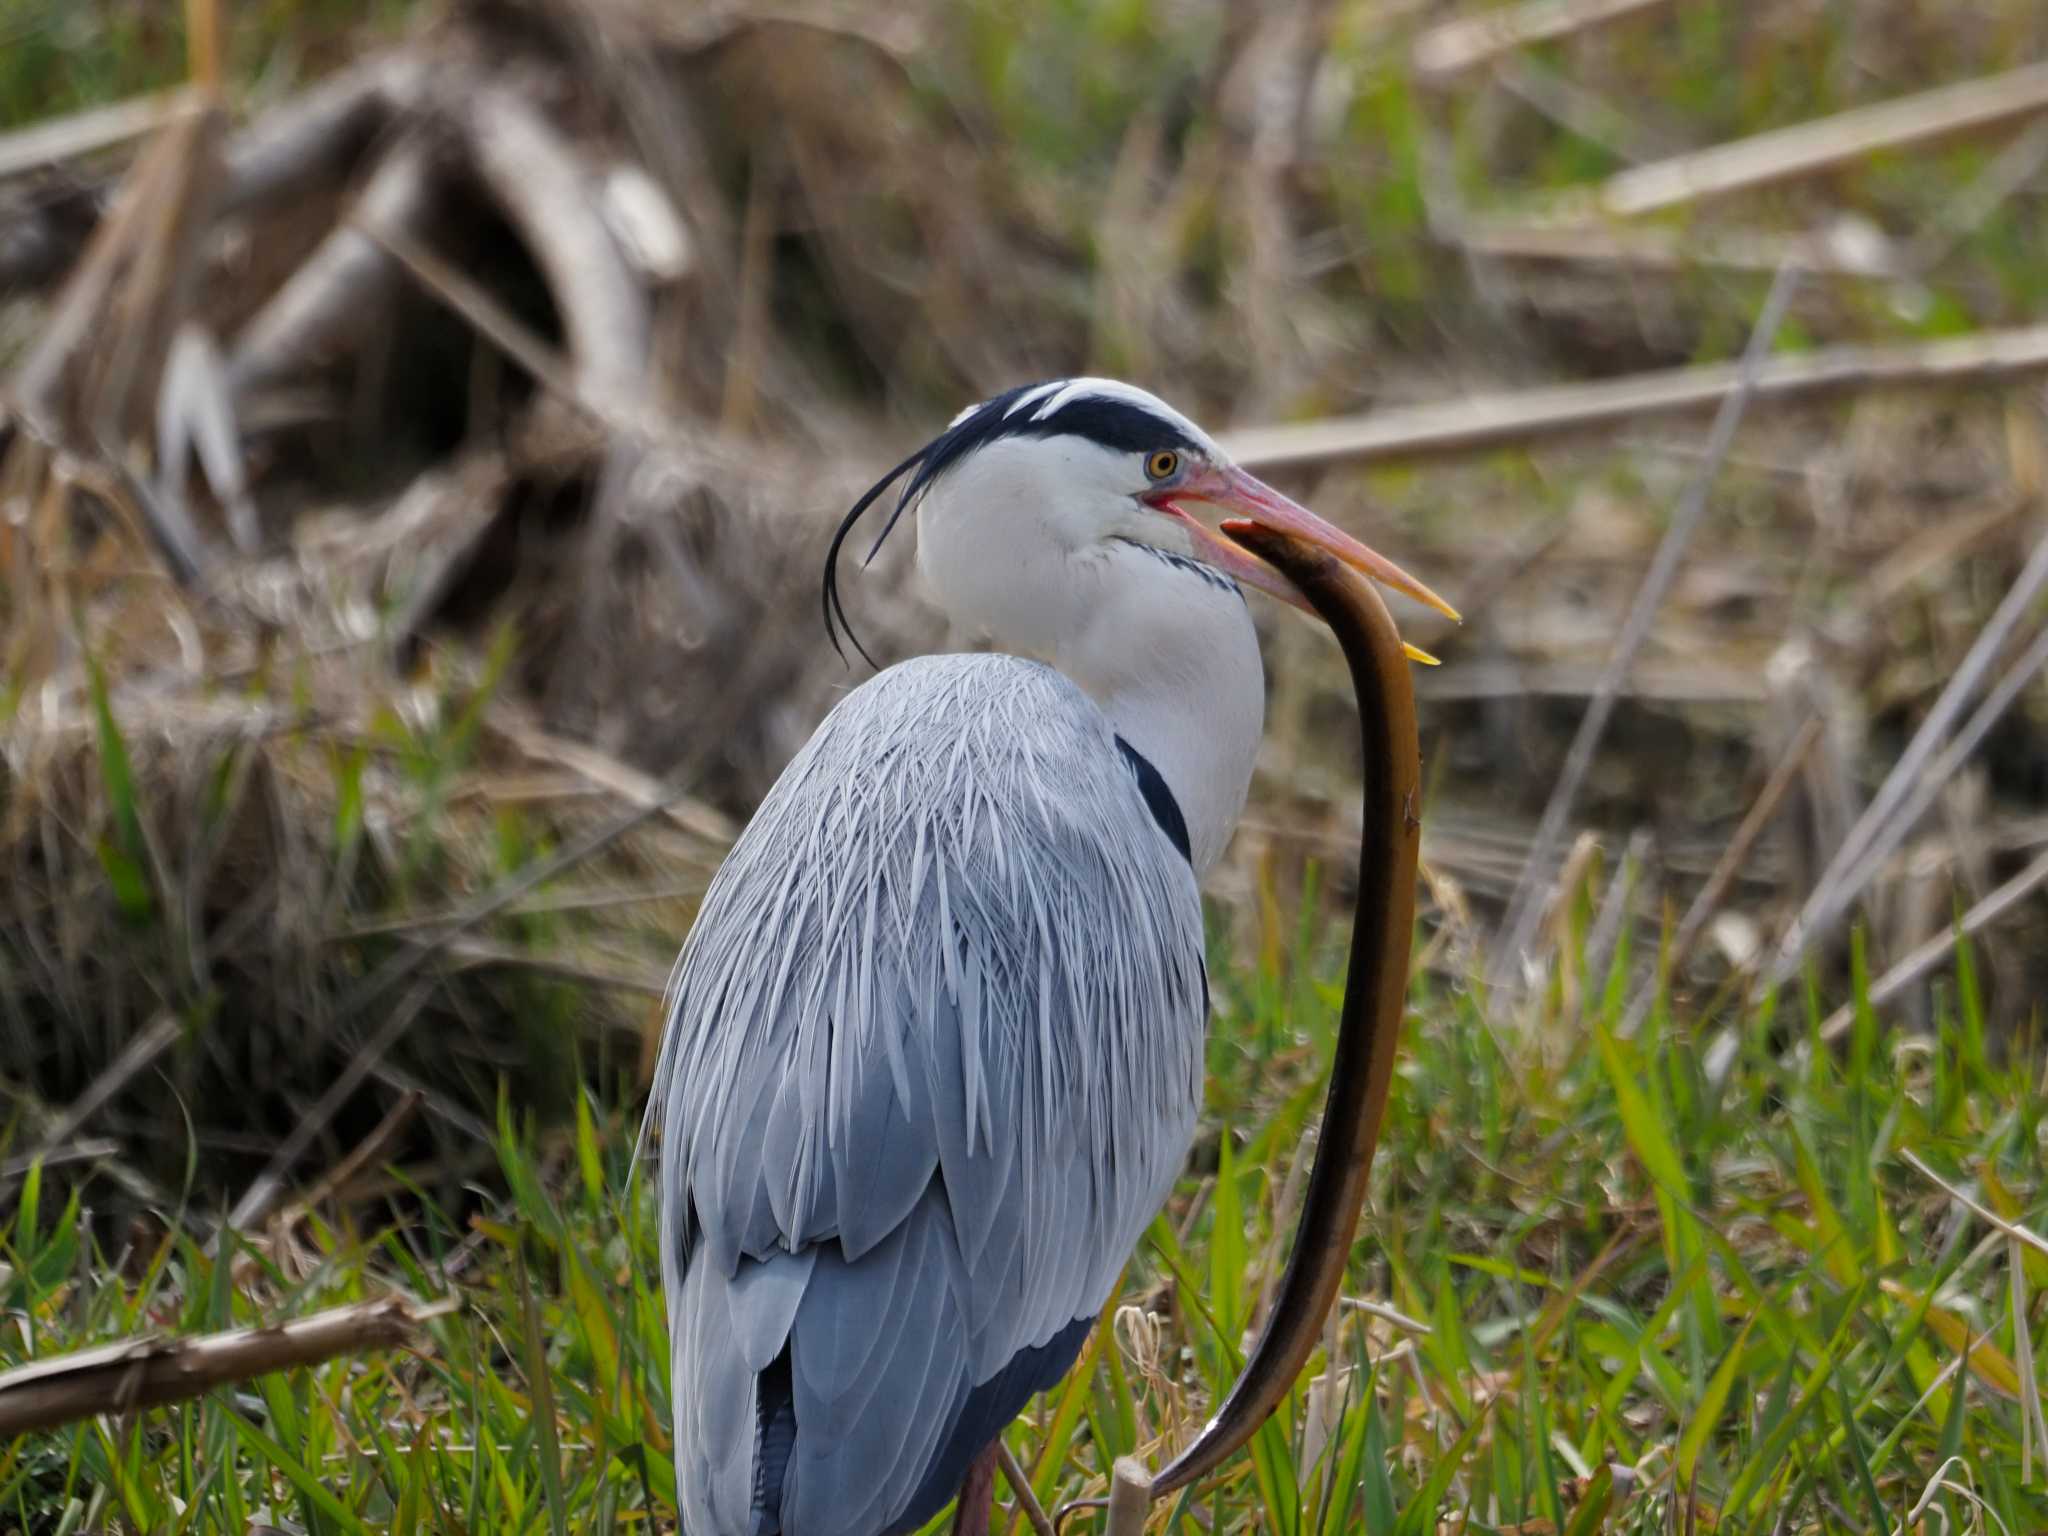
<point x="1518" y="416"/>
<point x="1805" y="149"/>
<point x="142" y="1373"/>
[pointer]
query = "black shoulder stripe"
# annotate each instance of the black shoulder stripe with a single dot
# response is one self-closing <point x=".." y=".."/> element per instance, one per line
<point x="1158" y="799"/>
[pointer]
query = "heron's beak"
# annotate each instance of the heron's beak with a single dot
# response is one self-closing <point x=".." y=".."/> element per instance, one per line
<point x="1231" y="489"/>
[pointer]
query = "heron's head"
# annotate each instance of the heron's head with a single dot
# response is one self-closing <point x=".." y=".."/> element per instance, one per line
<point x="1038" y="507"/>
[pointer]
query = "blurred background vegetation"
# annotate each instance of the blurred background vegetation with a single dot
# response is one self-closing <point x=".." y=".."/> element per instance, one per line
<point x="419" y="453"/>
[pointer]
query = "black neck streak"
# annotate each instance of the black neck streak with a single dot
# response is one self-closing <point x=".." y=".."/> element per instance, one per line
<point x="1158" y="799"/>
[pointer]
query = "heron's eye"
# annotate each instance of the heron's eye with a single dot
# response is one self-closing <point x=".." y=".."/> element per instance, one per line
<point x="1162" y="464"/>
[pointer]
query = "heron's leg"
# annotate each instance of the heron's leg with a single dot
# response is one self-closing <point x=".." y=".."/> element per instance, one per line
<point x="977" y="1495"/>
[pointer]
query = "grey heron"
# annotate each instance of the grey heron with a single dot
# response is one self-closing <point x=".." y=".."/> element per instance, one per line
<point x="934" y="1044"/>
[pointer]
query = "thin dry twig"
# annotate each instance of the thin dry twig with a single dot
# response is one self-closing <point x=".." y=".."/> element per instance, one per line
<point x="1573" y="107"/>
<point x="1711" y="895"/>
<point x="1020" y="1485"/>
<point x="1485" y="421"/>
<point x="628" y="418"/>
<point x="142" y="1373"/>
<point x="380" y="982"/>
<point x="1840" y="250"/>
<point x="2011" y="1229"/>
<point x="1942" y="946"/>
<point x="1457" y="46"/>
<point x="262" y="1193"/>
<point x="135" y="1058"/>
<point x="2012" y="168"/>
<point x="1958" y="752"/>
<point x="52" y="142"/>
<point x="78" y="1152"/>
<point x="649" y="980"/>
<point x="1525" y="908"/>
<point x="1909" y="787"/>
<point x="1616" y="904"/>
<point x="367" y="1151"/>
<point x="1805" y="149"/>
<point x="1385" y="1314"/>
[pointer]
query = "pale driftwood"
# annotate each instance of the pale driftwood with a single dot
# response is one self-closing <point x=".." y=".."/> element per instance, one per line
<point x="545" y="190"/>
<point x="348" y="277"/>
<point x="1496" y="420"/>
<point x="195" y="417"/>
<point x="1457" y="46"/>
<point x="143" y="1373"/>
<point x="314" y="138"/>
<point x="42" y="145"/>
<point x="1805" y="149"/>
<point x="1525" y="909"/>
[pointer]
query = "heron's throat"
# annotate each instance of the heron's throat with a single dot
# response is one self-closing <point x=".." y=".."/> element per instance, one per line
<point x="1187" y="695"/>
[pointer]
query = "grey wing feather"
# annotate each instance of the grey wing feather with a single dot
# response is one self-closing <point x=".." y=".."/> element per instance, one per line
<point x="932" y="1063"/>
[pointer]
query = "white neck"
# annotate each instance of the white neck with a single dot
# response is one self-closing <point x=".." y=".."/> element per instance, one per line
<point x="1165" y="648"/>
<point x="1173" y="661"/>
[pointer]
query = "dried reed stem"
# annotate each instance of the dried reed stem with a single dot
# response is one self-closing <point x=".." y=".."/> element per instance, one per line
<point x="1942" y="946"/>
<point x="1805" y="149"/>
<point x="1470" y="41"/>
<point x="1525" y="908"/>
<point x="1709" y="899"/>
<point x="1900" y="798"/>
<point x="1486" y="421"/>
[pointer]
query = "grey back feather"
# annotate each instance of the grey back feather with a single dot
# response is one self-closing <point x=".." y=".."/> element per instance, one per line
<point x="932" y="1063"/>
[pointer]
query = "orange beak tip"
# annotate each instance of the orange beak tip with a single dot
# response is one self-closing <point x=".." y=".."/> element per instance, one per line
<point x="1417" y="654"/>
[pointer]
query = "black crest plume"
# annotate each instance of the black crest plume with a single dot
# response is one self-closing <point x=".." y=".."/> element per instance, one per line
<point x="1118" y="424"/>
<point x="973" y="429"/>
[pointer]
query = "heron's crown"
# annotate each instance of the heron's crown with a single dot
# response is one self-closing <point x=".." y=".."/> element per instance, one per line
<point x="1120" y="417"/>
